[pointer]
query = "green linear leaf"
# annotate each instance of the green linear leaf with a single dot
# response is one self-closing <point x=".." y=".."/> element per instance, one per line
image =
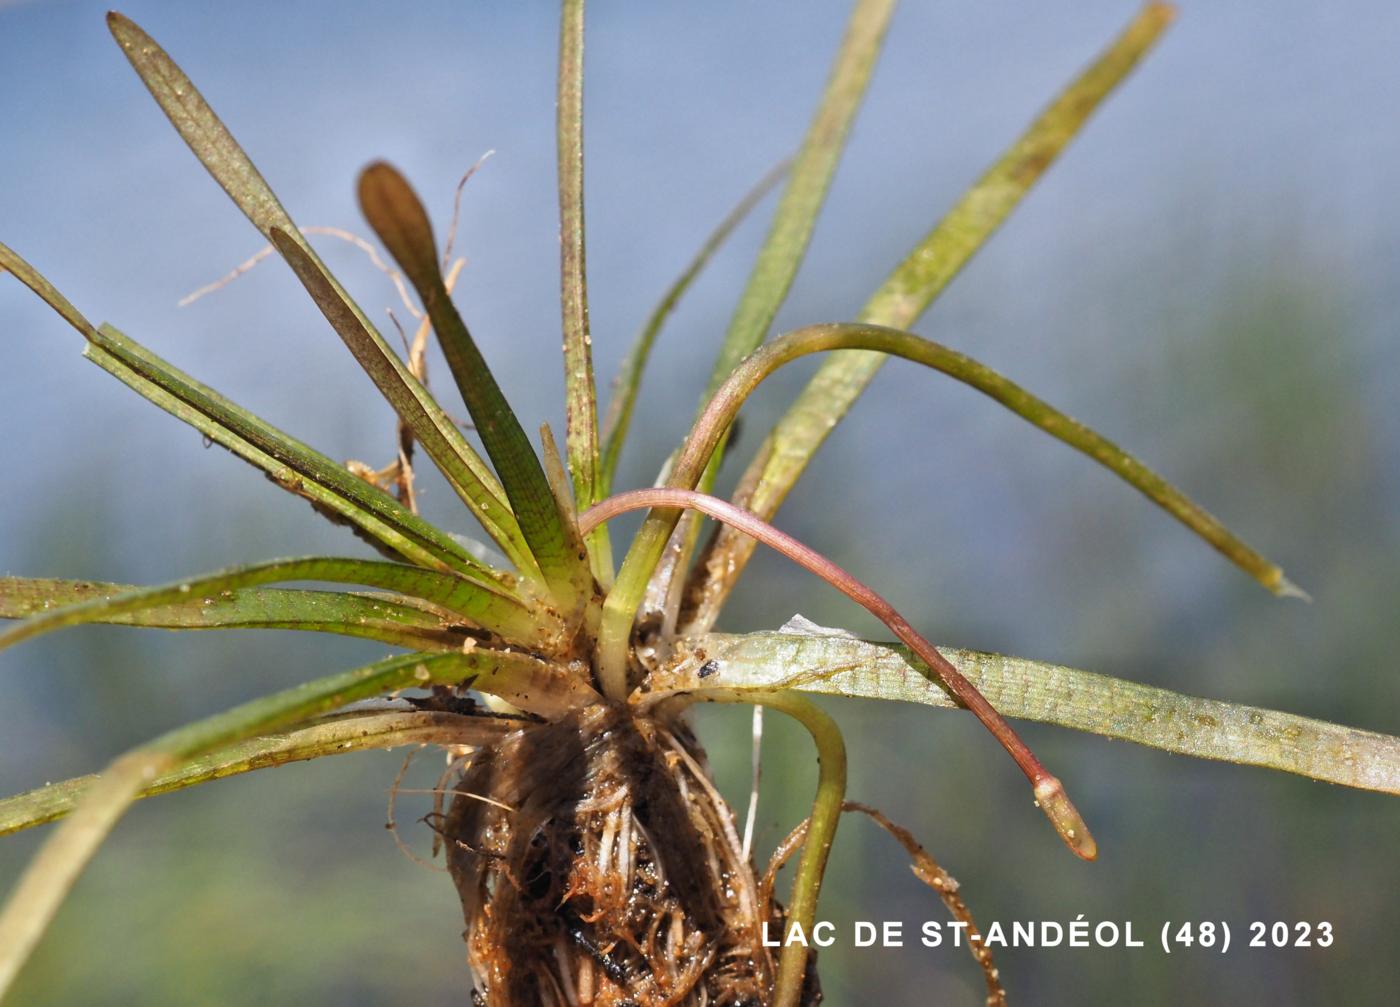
<point x="386" y="618"/>
<point x="522" y="681"/>
<point x="329" y="487"/>
<point x="12" y="262"/>
<point x="835" y="663"/>
<point x="559" y="486"/>
<point x="230" y="166"/>
<point x="802" y="198"/>
<point x="437" y="433"/>
<point x="337" y="734"/>
<point x="293" y="465"/>
<point x="840" y="338"/>
<point x="580" y="392"/>
<point x="780" y="257"/>
<point x="923" y="274"/>
<point x="398" y="218"/>
<point x="55" y="868"/>
<point x="928" y="268"/>
<point x="629" y="377"/>
<point x="499" y="613"/>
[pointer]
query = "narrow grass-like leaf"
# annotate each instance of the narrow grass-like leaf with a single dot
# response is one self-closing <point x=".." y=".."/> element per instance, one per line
<point x="337" y="734"/>
<point x="806" y="188"/>
<point x="54" y="869"/>
<point x="831" y="662"/>
<point x="293" y="465"/>
<point x="725" y="405"/>
<point x="779" y="258"/>
<point x="329" y="487"/>
<point x="914" y="284"/>
<point x="930" y="265"/>
<point x="230" y="166"/>
<point x="580" y="391"/>
<point x="559" y="484"/>
<point x="398" y="218"/>
<point x="439" y="436"/>
<point x="12" y="262"/>
<point x="498" y="612"/>
<point x="629" y="377"/>
<point x="390" y="619"/>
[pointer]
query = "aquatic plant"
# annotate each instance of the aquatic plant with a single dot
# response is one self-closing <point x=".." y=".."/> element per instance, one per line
<point x="595" y="861"/>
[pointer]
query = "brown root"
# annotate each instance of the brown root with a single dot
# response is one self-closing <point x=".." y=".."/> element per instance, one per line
<point x="602" y="868"/>
<point x="925" y="868"/>
<point x="392" y="825"/>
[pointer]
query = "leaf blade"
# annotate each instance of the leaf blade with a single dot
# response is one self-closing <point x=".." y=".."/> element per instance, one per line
<point x="773" y="273"/>
<point x="918" y="280"/>
<point x="627" y="383"/>
<point x="470" y="478"/>
<point x="580" y="391"/>
<point x="53" y="871"/>
<point x="397" y="216"/>
<point x="334" y="735"/>
<point x="290" y="463"/>
<point x="810" y="177"/>
<point x="500" y="613"/>
<point x="836" y="663"/>
<point x="385" y="618"/>
<point x="722" y="410"/>
<point x="215" y="147"/>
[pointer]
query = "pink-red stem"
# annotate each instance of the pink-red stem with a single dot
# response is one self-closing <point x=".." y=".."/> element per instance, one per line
<point x="1049" y="792"/>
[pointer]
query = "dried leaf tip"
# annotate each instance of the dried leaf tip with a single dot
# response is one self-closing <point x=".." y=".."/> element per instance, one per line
<point x="1050" y="797"/>
<point x="126" y="31"/>
<point x="1161" y="11"/>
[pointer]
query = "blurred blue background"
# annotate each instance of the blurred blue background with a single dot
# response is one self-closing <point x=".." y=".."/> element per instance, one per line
<point x="1207" y="276"/>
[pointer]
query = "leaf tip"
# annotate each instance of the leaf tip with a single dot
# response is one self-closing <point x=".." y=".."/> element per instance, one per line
<point x="1051" y="798"/>
<point x="376" y="172"/>
<point x="398" y="217"/>
<point x="122" y="27"/>
<point x="1164" y="13"/>
<point x="379" y="181"/>
<point x="288" y="247"/>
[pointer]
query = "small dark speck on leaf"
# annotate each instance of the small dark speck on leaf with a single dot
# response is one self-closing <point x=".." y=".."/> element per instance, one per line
<point x="708" y="668"/>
